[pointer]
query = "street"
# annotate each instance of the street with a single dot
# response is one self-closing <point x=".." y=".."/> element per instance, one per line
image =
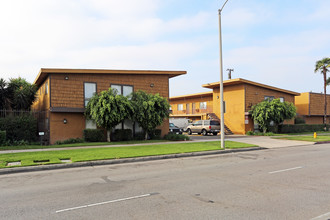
<point x="282" y="183"/>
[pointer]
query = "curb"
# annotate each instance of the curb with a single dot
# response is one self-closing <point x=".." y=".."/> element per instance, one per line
<point x="120" y="161"/>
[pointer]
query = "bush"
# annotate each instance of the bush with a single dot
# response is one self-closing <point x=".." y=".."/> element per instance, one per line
<point x="2" y="137"/>
<point x="298" y="128"/>
<point x="139" y="136"/>
<point x="176" y="137"/>
<point x="299" y="121"/>
<point x="250" y="133"/>
<point x="156" y="134"/>
<point x="19" y="128"/>
<point x="94" y="135"/>
<point x="70" y="141"/>
<point x="122" y="135"/>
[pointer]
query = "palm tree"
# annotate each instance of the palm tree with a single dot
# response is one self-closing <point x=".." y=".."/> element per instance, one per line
<point x="323" y="65"/>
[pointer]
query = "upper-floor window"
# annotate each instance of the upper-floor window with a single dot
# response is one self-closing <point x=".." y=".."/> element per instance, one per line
<point x="46" y="88"/>
<point x="202" y="105"/>
<point x="269" y="98"/>
<point x="180" y="107"/>
<point x="124" y="90"/>
<point x="89" y="91"/>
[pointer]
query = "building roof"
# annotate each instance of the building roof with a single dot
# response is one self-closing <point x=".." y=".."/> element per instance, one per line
<point x="244" y="81"/>
<point x="202" y="94"/>
<point x="43" y="73"/>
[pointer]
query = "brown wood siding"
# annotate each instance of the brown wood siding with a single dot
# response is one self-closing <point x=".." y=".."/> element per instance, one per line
<point x="70" y="93"/>
<point x="317" y="104"/>
<point x="255" y="94"/>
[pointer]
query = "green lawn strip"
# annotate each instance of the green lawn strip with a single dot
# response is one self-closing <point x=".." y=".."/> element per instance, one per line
<point x="78" y="155"/>
<point x="78" y="145"/>
<point x="306" y="138"/>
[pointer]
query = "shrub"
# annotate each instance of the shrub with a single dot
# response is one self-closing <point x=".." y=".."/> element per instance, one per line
<point x="299" y="121"/>
<point x="94" y="135"/>
<point x="176" y="137"/>
<point x="122" y="135"/>
<point x="250" y="133"/>
<point x="156" y="134"/>
<point x="70" y="141"/>
<point x="298" y="128"/>
<point x="23" y="127"/>
<point x="2" y="137"/>
<point x="139" y="136"/>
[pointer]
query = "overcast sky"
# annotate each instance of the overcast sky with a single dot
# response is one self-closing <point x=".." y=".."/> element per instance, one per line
<point x="274" y="42"/>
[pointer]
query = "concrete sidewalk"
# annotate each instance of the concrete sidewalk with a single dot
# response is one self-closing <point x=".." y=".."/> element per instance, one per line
<point x="268" y="142"/>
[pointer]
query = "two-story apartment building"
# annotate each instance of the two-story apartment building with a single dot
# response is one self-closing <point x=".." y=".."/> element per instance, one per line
<point x="193" y="106"/>
<point x="239" y="96"/>
<point x="310" y="107"/>
<point x="64" y="93"/>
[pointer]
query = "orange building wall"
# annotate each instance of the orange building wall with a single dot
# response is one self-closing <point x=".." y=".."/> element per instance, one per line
<point x="302" y="103"/>
<point x="234" y="104"/>
<point x="42" y="101"/>
<point x="196" y="100"/>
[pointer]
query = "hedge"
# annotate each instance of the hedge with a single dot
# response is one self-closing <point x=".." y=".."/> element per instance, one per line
<point x="94" y="135"/>
<point x="19" y="128"/>
<point x="298" y="128"/>
<point x="2" y="137"/>
<point x="122" y="135"/>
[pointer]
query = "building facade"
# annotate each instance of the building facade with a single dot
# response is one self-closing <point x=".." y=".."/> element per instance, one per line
<point x="64" y="93"/>
<point x="239" y="96"/>
<point x="310" y="107"/>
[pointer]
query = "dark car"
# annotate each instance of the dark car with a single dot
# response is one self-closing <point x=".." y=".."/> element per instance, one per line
<point x="174" y="129"/>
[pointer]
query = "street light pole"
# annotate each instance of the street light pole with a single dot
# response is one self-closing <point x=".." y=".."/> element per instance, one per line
<point x="222" y="123"/>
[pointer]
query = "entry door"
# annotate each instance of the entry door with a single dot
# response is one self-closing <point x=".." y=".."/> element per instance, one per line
<point x="193" y="108"/>
<point x="188" y="108"/>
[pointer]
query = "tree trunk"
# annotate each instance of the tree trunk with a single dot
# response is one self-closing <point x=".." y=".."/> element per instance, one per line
<point x="146" y="137"/>
<point x="325" y="98"/>
<point x="109" y="135"/>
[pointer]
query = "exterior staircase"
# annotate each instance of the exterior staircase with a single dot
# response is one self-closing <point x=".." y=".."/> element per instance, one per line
<point x="213" y="116"/>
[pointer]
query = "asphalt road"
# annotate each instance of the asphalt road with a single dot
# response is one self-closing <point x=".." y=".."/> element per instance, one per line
<point x="283" y="183"/>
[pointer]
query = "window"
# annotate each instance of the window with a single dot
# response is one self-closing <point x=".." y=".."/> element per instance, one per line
<point x="180" y="107"/>
<point x="89" y="90"/>
<point x="202" y="105"/>
<point x="198" y="123"/>
<point x="281" y="99"/>
<point x="269" y="98"/>
<point x="124" y="90"/>
<point x="90" y="124"/>
<point x="46" y="88"/>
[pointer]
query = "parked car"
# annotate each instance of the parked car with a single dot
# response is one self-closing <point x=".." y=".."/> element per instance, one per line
<point x="204" y="127"/>
<point x="174" y="129"/>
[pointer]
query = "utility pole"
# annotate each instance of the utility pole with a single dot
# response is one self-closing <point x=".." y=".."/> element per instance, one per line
<point x="229" y="73"/>
<point x="222" y="123"/>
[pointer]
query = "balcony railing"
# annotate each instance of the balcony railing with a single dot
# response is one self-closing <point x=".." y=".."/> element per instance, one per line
<point x="192" y="111"/>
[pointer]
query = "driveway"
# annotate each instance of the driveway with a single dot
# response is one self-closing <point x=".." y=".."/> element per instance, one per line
<point x="261" y="141"/>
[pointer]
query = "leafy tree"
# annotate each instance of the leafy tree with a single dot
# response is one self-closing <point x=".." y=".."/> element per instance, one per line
<point x="17" y="94"/>
<point x="4" y="98"/>
<point x="322" y="66"/>
<point x="108" y="109"/>
<point x="272" y="111"/>
<point x="149" y="110"/>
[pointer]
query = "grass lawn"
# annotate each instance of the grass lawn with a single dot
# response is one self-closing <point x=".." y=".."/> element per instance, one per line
<point x="307" y="138"/>
<point x="76" y="155"/>
<point x="78" y="144"/>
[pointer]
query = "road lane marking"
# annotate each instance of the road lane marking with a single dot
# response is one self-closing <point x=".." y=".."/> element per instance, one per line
<point x="107" y="202"/>
<point x="278" y="171"/>
<point x="321" y="216"/>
